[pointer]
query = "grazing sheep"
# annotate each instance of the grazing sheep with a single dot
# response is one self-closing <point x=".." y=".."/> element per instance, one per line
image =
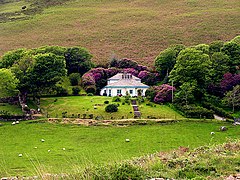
<point x="64" y="149"/>
<point x="17" y="122"/>
<point x="20" y="155"/>
<point x="212" y="133"/>
<point x="13" y="123"/>
<point x="49" y="150"/>
<point x="127" y="140"/>
<point x="42" y="140"/>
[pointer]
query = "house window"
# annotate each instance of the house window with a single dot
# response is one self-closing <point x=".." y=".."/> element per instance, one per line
<point x="130" y="91"/>
<point x="119" y="91"/>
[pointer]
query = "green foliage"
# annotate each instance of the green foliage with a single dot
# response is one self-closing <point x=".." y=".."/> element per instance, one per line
<point x="186" y="92"/>
<point x="215" y="46"/>
<point x="106" y="102"/>
<point x="236" y="40"/>
<point x="192" y="66"/>
<point x="89" y="94"/>
<point x="57" y="50"/>
<point x="8" y="83"/>
<point x="232" y="98"/>
<point x="116" y="99"/>
<point x="90" y="89"/>
<point x="232" y="49"/>
<point x="11" y="57"/>
<point x="74" y="79"/>
<point x="78" y="60"/>
<point x="111" y="108"/>
<point x="220" y="66"/>
<point x="217" y="110"/>
<point x="192" y="111"/>
<point x="75" y="90"/>
<point x="203" y="47"/>
<point x="165" y="61"/>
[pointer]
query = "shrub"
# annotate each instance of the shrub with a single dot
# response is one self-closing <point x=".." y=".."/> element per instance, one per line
<point x="89" y="94"/>
<point x="74" y="79"/>
<point x="111" y="108"/>
<point x="106" y="102"/>
<point x="90" y="89"/>
<point x="116" y="99"/>
<point x="75" y="90"/>
<point x="219" y="111"/>
<point x="192" y="111"/>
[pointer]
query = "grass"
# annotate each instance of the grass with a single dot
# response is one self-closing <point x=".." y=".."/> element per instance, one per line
<point x="137" y="29"/>
<point x="85" y="105"/>
<point x="12" y="109"/>
<point x="86" y="146"/>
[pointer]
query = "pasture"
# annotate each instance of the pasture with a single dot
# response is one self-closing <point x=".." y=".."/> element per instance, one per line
<point x="85" y="146"/>
<point x="137" y="29"/>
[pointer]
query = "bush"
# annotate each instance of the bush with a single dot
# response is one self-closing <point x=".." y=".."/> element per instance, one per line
<point x="106" y="102"/>
<point x="116" y="99"/>
<point x="192" y="111"/>
<point x="219" y="111"/>
<point x="111" y="108"/>
<point x="90" y="89"/>
<point x="74" y="79"/>
<point x="75" y="90"/>
<point x="89" y="94"/>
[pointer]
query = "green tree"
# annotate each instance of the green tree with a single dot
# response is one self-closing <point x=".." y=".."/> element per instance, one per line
<point x="11" y="57"/>
<point x="38" y="73"/>
<point x="215" y="47"/>
<point x="78" y="60"/>
<point x="186" y="92"/>
<point x="203" y="47"/>
<point x="232" y="49"/>
<point x="220" y="66"/>
<point x="192" y="66"/>
<point x="232" y="98"/>
<point x="8" y="83"/>
<point x="165" y="61"/>
<point x="57" y="50"/>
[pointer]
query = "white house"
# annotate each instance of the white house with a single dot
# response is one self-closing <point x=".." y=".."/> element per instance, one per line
<point x="122" y="83"/>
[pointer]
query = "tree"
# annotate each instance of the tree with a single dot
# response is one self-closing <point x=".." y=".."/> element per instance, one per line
<point x="11" y="57"/>
<point x="8" y="83"/>
<point x="74" y="79"/>
<point x="232" y="49"/>
<point x="78" y="60"/>
<point x="192" y="66"/>
<point x="111" y="108"/>
<point x="233" y="97"/>
<point x="165" y="61"/>
<point x="38" y="73"/>
<point x="186" y="92"/>
<point x="215" y="47"/>
<point x="203" y="47"/>
<point x="220" y="66"/>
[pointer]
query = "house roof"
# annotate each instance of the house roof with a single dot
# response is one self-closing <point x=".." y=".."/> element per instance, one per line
<point x="118" y="76"/>
<point x="127" y="83"/>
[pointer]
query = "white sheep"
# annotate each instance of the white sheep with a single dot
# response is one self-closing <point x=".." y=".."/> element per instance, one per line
<point x="63" y="149"/>
<point x="212" y="133"/>
<point x="17" y="122"/>
<point x="20" y="155"/>
<point x="13" y="123"/>
<point x="127" y="140"/>
<point x="42" y="140"/>
<point x="49" y="150"/>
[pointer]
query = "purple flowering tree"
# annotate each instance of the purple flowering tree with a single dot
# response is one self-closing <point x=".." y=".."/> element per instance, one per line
<point x="163" y="93"/>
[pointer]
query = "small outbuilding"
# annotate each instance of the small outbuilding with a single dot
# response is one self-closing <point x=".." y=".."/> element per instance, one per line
<point x="123" y="83"/>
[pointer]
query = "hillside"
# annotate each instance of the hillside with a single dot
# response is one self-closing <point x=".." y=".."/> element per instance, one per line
<point x="136" y="29"/>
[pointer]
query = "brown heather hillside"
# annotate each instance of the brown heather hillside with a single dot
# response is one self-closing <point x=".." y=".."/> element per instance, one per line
<point x="136" y="29"/>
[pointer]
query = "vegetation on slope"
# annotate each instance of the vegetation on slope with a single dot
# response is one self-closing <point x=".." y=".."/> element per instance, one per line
<point x="137" y="29"/>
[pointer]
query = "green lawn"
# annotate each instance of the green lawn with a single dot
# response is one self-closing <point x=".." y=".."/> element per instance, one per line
<point x="158" y="111"/>
<point x="85" y="105"/>
<point x="93" y="145"/>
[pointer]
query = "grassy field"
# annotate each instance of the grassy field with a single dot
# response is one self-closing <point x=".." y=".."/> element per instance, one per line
<point x="85" y="105"/>
<point x="85" y="146"/>
<point x="137" y="29"/>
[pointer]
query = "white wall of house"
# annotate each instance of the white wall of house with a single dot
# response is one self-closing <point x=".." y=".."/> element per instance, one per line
<point x="123" y="91"/>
